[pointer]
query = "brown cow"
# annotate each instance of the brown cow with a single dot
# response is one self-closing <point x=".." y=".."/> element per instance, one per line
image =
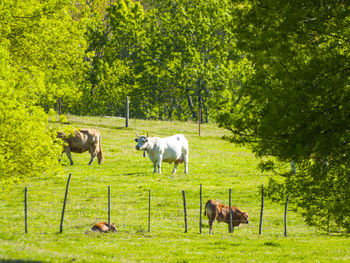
<point x="83" y="140"/>
<point x="220" y="212"/>
<point x="104" y="227"/>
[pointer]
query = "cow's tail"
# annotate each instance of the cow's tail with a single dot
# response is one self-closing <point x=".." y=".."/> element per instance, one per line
<point x="205" y="208"/>
<point x="100" y="157"/>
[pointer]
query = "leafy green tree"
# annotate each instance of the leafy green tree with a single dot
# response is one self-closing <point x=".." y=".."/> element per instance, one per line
<point x="295" y="99"/>
<point x="46" y="44"/>
<point x="41" y="47"/>
<point x="191" y="55"/>
<point x="106" y="80"/>
<point x="170" y="57"/>
<point x="27" y="145"/>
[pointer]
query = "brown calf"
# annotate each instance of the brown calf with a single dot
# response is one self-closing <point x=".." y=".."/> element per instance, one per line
<point x="104" y="227"/>
<point x="220" y="212"/>
<point x="83" y="140"/>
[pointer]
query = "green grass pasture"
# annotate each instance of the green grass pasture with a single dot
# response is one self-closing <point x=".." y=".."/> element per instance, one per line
<point x="215" y="163"/>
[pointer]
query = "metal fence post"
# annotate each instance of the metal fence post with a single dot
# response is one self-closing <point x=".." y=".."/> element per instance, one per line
<point x="230" y="212"/>
<point x="25" y="210"/>
<point x="149" y="210"/>
<point x="185" y="209"/>
<point x="285" y="217"/>
<point x="64" y="203"/>
<point x="262" y="208"/>
<point x="200" y="209"/>
<point x="109" y="204"/>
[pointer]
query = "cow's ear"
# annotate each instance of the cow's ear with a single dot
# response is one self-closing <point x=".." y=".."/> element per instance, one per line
<point x="145" y="140"/>
<point x="136" y="140"/>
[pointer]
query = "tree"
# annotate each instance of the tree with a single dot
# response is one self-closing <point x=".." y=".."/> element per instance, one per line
<point x="170" y="57"/>
<point x="102" y="92"/>
<point x="40" y="61"/>
<point x="295" y="100"/>
<point x="191" y="53"/>
<point x="46" y="47"/>
<point x="27" y="145"/>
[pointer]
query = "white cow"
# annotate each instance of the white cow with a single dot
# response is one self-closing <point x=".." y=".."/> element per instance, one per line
<point x="170" y="149"/>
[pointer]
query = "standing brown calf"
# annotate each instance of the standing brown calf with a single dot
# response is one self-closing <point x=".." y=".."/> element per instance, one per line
<point x="104" y="227"/>
<point x="220" y="212"/>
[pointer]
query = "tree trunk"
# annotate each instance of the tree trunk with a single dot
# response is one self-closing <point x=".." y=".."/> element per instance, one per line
<point x="200" y="106"/>
<point x="206" y="113"/>
<point x="190" y="104"/>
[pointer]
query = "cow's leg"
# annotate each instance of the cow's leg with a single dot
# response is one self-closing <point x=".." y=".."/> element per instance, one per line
<point x="175" y="166"/>
<point x="211" y="222"/>
<point x="160" y="164"/>
<point x="186" y="162"/>
<point x="69" y="155"/>
<point x="93" y="153"/>
<point x="155" y="163"/>
<point x="159" y="167"/>
<point x="59" y="160"/>
<point x="211" y="217"/>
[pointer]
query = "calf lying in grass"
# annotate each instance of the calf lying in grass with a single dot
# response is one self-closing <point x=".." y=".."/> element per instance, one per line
<point x="220" y="212"/>
<point x="104" y="227"/>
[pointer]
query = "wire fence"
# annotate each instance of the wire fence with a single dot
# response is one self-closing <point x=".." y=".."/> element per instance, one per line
<point x="136" y="211"/>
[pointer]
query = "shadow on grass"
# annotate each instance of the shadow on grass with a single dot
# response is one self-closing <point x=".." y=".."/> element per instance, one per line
<point x="19" y="261"/>
<point x="106" y="126"/>
<point x="137" y="174"/>
<point x="334" y="234"/>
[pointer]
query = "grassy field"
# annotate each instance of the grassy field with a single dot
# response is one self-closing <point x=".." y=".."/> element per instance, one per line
<point x="215" y="163"/>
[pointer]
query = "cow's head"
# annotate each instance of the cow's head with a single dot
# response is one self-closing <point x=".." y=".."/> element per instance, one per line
<point x="142" y="142"/>
<point x="113" y="228"/>
<point x="60" y="134"/>
<point x="243" y="218"/>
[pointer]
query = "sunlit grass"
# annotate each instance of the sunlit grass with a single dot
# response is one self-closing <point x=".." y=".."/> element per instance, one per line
<point x="215" y="163"/>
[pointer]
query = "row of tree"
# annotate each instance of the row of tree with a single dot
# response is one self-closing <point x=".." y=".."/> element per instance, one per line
<point x="274" y="73"/>
<point x="170" y="57"/>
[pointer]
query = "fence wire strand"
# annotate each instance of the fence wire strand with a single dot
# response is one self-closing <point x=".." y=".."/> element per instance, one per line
<point x="129" y="211"/>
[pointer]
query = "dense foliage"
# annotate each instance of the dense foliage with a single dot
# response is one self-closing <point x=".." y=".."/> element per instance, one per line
<point x="171" y="58"/>
<point x="295" y="102"/>
<point x="40" y="60"/>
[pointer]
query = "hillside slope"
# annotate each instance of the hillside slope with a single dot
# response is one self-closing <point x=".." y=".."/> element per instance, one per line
<point x="215" y="163"/>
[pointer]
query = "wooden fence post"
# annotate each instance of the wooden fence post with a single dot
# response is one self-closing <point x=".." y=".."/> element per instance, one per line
<point x="262" y="209"/>
<point x="200" y="209"/>
<point x="230" y="212"/>
<point x="185" y="210"/>
<point x="64" y="203"/>
<point x="285" y="217"/>
<point x="109" y="204"/>
<point x="25" y="210"/>
<point x="127" y="111"/>
<point x="149" y="210"/>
